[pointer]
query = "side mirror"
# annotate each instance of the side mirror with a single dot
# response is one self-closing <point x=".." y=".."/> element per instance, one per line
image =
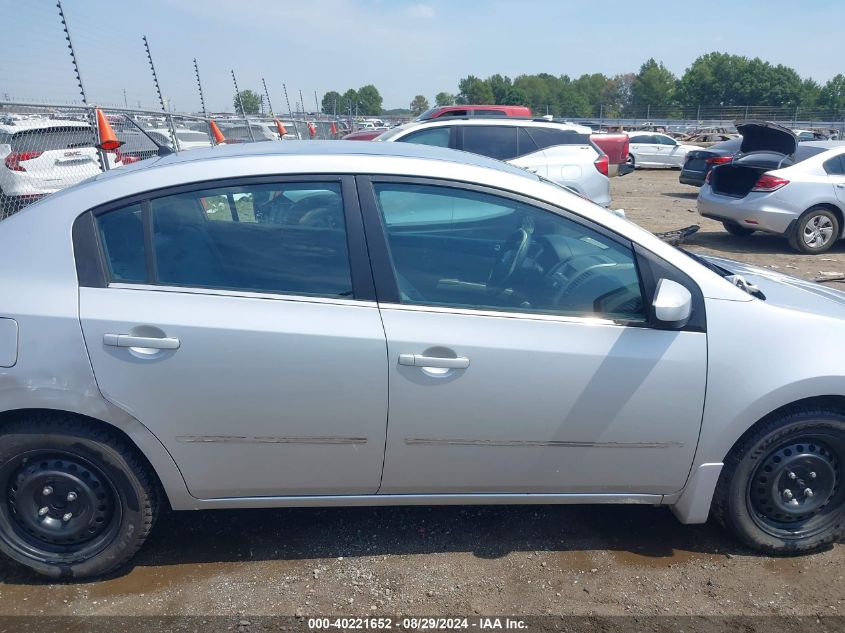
<point x="672" y="304"/>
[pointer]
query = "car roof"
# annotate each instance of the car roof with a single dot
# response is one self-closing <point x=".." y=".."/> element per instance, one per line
<point x="320" y="148"/>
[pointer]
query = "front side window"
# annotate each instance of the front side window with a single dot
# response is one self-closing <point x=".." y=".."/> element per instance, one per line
<point x="286" y="238"/>
<point x="464" y="249"/>
<point x="438" y="137"/>
<point x="666" y="140"/>
<point x="493" y="141"/>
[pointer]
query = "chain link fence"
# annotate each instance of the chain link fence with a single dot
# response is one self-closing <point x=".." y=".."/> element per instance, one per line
<point x="45" y="148"/>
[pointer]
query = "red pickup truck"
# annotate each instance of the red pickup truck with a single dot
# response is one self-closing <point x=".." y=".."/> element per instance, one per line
<point x="616" y="148"/>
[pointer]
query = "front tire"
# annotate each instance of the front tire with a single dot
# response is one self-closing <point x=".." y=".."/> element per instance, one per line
<point x="76" y="501"/>
<point x="781" y="490"/>
<point x="815" y="231"/>
<point x="735" y="229"/>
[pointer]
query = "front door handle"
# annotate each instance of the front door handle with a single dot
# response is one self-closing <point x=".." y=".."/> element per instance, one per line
<point x="418" y="360"/>
<point x="150" y="342"/>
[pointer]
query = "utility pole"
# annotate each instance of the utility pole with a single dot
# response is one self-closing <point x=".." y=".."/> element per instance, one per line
<point x="241" y="105"/>
<point x="125" y="102"/>
<point x="158" y="92"/>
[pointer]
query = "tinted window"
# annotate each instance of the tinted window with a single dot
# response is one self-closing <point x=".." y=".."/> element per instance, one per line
<point x="835" y="166"/>
<point x="549" y="137"/>
<point x="643" y="138"/>
<point x="122" y="240"/>
<point x="492" y="141"/>
<point x="459" y="248"/>
<point x="47" y="139"/>
<point x="488" y="113"/>
<point x="525" y="144"/>
<point x="281" y="238"/>
<point x="665" y="140"/>
<point x="454" y="113"/>
<point x="438" y="136"/>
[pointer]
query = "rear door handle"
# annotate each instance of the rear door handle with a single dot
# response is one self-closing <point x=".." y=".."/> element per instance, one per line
<point x="151" y="342"/>
<point x="418" y="360"/>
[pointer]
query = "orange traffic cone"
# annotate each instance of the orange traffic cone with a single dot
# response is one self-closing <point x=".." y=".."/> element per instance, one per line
<point x="334" y="128"/>
<point x="108" y="141"/>
<point x="216" y="133"/>
<point x="281" y="129"/>
<point x="312" y="129"/>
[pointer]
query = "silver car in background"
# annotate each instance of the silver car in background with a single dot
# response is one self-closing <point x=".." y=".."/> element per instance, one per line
<point x="779" y="186"/>
<point x="329" y="323"/>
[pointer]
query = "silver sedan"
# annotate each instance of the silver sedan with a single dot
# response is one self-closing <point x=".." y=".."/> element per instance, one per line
<point x="314" y="324"/>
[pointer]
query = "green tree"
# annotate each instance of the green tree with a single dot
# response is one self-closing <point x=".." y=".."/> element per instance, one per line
<point x="535" y="91"/>
<point x="474" y="91"/>
<point x="444" y="99"/>
<point x="832" y="95"/>
<point x="250" y="100"/>
<point x="501" y="87"/>
<point x="654" y="85"/>
<point x="419" y="105"/>
<point x="331" y="100"/>
<point x="369" y="100"/>
<point x="349" y="100"/>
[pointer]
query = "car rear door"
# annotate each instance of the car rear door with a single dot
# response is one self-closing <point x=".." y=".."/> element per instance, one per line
<point x="644" y="149"/>
<point x="237" y="322"/>
<point x="835" y="169"/>
<point x="519" y="356"/>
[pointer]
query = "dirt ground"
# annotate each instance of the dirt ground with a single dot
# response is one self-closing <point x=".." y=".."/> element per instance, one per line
<point x="467" y="560"/>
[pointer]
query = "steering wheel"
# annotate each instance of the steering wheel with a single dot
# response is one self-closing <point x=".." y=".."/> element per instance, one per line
<point x="511" y="257"/>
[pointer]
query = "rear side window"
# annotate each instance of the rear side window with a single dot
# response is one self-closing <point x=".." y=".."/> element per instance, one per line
<point x="835" y="166"/>
<point x="526" y="144"/>
<point x="549" y="137"/>
<point x="122" y="240"/>
<point x="48" y="139"/>
<point x="492" y="141"/>
<point x="643" y="139"/>
<point x="438" y="137"/>
<point x="285" y="238"/>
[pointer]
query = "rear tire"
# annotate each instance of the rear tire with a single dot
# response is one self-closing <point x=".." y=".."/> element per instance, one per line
<point x="735" y="229"/>
<point x="782" y="489"/>
<point x="816" y="231"/>
<point x="76" y="500"/>
<point x="631" y="162"/>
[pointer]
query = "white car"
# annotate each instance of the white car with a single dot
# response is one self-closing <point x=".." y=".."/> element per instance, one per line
<point x="651" y="149"/>
<point x="560" y="152"/>
<point x="41" y="156"/>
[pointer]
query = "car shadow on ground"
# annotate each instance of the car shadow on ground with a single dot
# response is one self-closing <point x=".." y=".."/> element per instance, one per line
<point x="689" y="195"/>
<point x="760" y="243"/>
<point x="634" y="534"/>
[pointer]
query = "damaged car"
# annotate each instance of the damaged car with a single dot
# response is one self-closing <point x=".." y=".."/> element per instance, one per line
<point x="777" y="186"/>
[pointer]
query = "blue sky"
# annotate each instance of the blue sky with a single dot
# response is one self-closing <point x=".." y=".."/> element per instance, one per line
<point x="402" y="47"/>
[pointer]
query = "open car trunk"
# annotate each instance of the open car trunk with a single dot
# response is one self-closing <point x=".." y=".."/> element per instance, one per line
<point x="765" y="146"/>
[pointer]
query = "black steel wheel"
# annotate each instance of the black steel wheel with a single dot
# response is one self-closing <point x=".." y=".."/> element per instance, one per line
<point x="75" y="500"/>
<point x="781" y="490"/>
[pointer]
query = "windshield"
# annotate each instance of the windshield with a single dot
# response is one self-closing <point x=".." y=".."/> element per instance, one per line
<point x="394" y="132"/>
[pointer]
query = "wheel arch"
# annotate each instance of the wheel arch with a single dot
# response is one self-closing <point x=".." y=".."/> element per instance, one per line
<point x="694" y="502"/>
<point x="833" y="208"/>
<point x="150" y="450"/>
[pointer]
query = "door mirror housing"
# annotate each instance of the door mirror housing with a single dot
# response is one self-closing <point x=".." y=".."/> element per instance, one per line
<point x="672" y="304"/>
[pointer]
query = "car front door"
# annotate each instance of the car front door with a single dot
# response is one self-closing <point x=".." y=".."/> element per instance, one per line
<point x="238" y="323"/>
<point x="669" y="153"/>
<point x="520" y="355"/>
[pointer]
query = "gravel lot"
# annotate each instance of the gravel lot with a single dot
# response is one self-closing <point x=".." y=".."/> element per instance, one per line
<point x="465" y="560"/>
